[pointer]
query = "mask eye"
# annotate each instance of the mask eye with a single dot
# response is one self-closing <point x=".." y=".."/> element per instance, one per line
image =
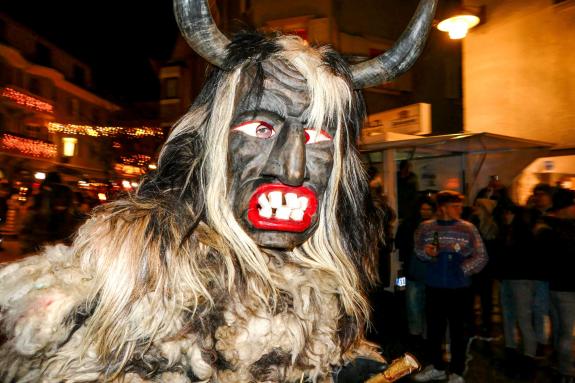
<point x="258" y="129"/>
<point x="313" y="136"/>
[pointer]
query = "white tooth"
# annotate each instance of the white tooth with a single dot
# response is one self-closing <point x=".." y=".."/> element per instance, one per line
<point x="292" y="201"/>
<point x="275" y="199"/>
<point x="303" y="201"/>
<point x="265" y="212"/>
<point x="283" y="213"/>
<point x="263" y="201"/>
<point x="296" y="214"/>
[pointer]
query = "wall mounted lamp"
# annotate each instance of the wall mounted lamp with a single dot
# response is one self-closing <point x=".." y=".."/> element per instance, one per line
<point x="69" y="146"/>
<point x="459" y="22"/>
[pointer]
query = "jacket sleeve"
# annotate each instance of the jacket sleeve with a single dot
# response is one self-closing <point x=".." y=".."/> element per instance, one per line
<point x="421" y="237"/>
<point x="478" y="258"/>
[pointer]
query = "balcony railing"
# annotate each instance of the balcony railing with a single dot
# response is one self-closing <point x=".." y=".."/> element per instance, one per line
<point x="24" y="100"/>
<point x="29" y="147"/>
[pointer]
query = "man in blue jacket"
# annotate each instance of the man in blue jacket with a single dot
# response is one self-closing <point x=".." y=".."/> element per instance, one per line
<point x="454" y="251"/>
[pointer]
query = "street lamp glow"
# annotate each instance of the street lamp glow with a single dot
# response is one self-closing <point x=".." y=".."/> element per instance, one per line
<point x="40" y="175"/>
<point x="458" y="26"/>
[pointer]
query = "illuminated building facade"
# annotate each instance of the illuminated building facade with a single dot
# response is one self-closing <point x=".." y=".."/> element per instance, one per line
<point x="40" y="84"/>
<point x="51" y="120"/>
<point x="520" y="81"/>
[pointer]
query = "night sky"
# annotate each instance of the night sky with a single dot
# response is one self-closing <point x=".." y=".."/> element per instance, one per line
<point x="119" y="38"/>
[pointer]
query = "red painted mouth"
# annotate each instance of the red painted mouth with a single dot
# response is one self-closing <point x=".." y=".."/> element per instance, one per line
<point x="282" y="208"/>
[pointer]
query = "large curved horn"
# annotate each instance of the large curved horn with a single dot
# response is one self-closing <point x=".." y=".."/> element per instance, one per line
<point x="200" y="30"/>
<point x="402" y="55"/>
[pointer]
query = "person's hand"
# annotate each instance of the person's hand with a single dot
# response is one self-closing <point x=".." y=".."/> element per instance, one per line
<point x="430" y="250"/>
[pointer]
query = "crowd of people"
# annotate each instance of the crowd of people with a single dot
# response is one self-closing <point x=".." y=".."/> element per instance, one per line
<point x="455" y="258"/>
<point x="51" y="213"/>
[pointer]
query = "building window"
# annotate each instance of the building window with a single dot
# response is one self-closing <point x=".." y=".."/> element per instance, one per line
<point x="43" y="55"/>
<point x="170" y="89"/>
<point x="79" y="76"/>
<point x="245" y="6"/>
<point x="34" y="86"/>
<point x="2" y="30"/>
<point x="35" y="131"/>
<point x="97" y="116"/>
<point x="17" y="77"/>
<point x="5" y="74"/>
<point x="73" y="107"/>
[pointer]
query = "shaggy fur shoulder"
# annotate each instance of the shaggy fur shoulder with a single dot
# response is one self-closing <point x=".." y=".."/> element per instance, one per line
<point x="121" y="306"/>
<point x="38" y="296"/>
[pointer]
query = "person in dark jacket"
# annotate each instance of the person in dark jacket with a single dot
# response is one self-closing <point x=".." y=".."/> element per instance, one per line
<point x="519" y="269"/>
<point x="4" y="197"/>
<point x="407" y="190"/>
<point x="542" y="201"/>
<point x="380" y="299"/>
<point x="414" y="269"/>
<point x="556" y="233"/>
<point x="50" y="217"/>
<point x="454" y="251"/>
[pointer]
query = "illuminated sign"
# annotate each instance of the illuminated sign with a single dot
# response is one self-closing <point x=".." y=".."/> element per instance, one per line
<point x="412" y="119"/>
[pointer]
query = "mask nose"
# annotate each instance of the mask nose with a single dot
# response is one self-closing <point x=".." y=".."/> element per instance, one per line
<point x="286" y="161"/>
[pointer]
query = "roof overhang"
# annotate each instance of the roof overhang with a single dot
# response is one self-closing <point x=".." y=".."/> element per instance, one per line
<point x="457" y="144"/>
<point x="478" y="155"/>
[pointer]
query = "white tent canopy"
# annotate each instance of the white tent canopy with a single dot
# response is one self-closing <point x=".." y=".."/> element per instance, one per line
<point x="458" y="161"/>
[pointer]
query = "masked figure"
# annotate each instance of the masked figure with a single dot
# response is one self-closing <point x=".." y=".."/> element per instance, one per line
<point x="245" y="257"/>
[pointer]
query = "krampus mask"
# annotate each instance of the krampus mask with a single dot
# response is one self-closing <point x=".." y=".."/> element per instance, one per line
<point x="245" y="256"/>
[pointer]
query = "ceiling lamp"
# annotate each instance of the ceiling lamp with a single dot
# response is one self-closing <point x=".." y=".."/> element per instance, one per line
<point x="460" y="23"/>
